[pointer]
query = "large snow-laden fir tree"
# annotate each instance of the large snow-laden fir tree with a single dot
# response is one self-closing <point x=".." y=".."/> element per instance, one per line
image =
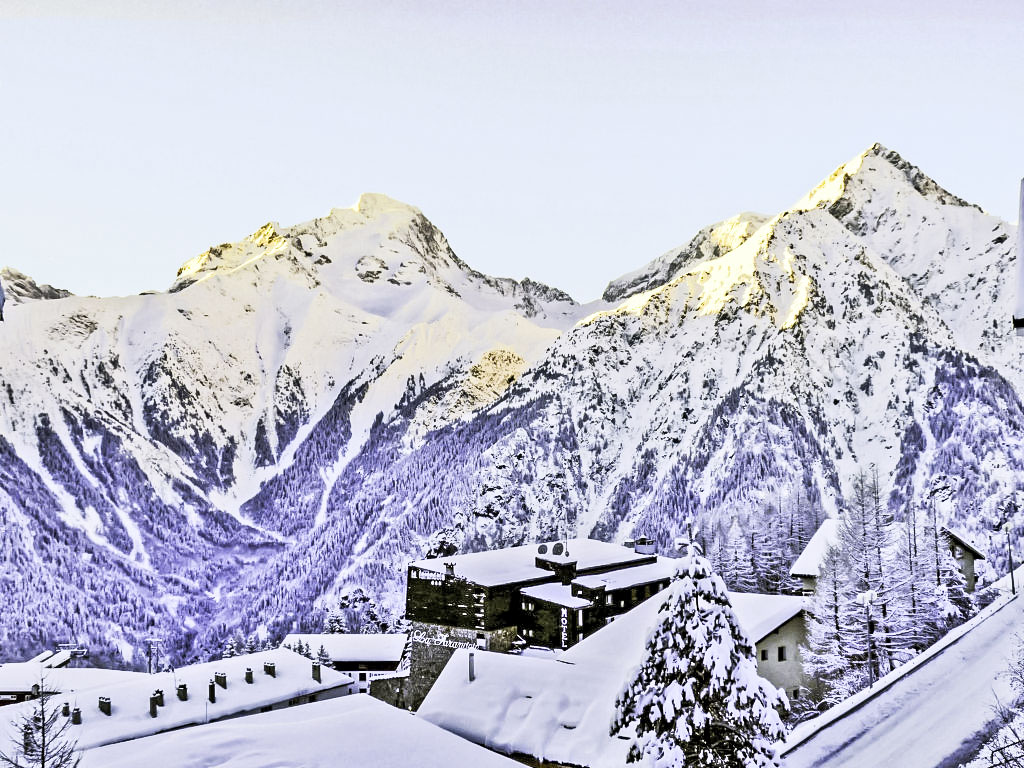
<point x="697" y="699"/>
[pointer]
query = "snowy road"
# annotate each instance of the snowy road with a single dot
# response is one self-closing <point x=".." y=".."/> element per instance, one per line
<point x="933" y="717"/>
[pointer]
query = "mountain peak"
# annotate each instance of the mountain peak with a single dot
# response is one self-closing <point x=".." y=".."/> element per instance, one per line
<point x="20" y="288"/>
<point x="711" y="242"/>
<point x="374" y="203"/>
<point x="873" y="170"/>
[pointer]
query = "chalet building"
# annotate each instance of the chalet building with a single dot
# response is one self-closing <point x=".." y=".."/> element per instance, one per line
<point x="364" y="658"/>
<point x="965" y="553"/>
<point x="143" y="704"/>
<point x="808" y="565"/>
<point x="23" y="680"/>
<point x="556" y="712"/>
<point x="549" y="594"/>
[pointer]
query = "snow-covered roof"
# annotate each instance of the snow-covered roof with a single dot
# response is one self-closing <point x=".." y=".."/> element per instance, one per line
<point x="810" y="560"/>
<point x="354" y="647"/>
<point x="518" y="564"/>
<point x="560" y="710"/>
<point x="352" y="730"/>
<point x="624" y="578"/>
<point x="559" y="594"/>
<point x="130" y="719"/>
<point x="760" y="615"/>
<point x="961" y="538"/>
<point x="20" y="677"/>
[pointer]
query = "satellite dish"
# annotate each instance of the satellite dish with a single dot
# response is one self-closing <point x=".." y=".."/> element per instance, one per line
<point x="557" y="550"/>
<point x="542" y="549"/>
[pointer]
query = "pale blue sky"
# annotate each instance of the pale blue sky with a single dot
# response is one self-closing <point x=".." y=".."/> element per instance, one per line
<point x="566" y="141"/>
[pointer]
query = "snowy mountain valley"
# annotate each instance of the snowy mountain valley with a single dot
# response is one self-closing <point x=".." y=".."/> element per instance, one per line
<point x="304" y="411"/>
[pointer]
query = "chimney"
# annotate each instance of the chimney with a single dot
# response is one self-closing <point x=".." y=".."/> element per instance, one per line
<point x="449" y="569"/>
<point x="152" y="705"/>
<point x="270" y="668"/>
<point x="316" y="671"/>
<point x="472" y="668"/>
<point x="248" y="675"/>
<point x="1018" y="315"/>
<point x="76" y="716"/>
<point x="221" y="679"/>
<point x="182" y="692"/>
<point x="105" y="705"/>
<point x="158" y="694"/>
<point x="66" y="710"/>
<point x="213" y="692"/>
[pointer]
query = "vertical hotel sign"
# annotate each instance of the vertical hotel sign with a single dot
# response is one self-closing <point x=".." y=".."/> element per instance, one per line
<point x="564" y="627"/>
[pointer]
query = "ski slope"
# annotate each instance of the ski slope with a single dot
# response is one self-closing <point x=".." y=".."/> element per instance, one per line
<point x="934" y="717"/>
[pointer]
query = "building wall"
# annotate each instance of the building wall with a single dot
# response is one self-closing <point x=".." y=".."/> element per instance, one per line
<point x="431" y="645"/>
<point x="788" y="674"/>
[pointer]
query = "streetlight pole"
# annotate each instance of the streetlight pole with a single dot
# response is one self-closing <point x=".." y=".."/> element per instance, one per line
<point x="1009" y="554"/>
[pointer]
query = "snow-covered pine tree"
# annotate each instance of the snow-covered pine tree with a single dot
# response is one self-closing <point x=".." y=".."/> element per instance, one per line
<point x="230" y="647"/>
<point x="739" y="567"/>
<point x="336" y="623"/>
<point x="323" y="656"/>
<point x="696" y="699"/>
<point x="252" y="644"/>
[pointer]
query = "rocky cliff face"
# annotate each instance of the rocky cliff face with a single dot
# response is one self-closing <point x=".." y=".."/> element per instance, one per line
<point x="306" y="410"/>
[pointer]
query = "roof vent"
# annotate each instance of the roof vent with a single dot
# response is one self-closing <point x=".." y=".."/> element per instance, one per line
<point x="557" y="549"/>
<point x="542" y="549"/>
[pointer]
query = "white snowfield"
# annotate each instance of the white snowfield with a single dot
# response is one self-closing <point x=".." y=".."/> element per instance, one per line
<point x="934" y="716"/>
<point x="355" y="731"/>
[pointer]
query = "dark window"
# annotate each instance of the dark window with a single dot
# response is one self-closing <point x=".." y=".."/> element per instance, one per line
<point x="782" y="653"/>
<point x="764" y="654"/>
<point x="796" y="694"/>
<point x="362" y="677"/>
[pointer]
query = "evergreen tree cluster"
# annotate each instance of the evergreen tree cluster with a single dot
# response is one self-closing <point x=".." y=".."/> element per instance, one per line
<point x="884" y="593"/>
<point x="754" y="553"/>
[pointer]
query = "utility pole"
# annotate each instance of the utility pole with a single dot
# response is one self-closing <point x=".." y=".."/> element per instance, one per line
<point x="1009" y="553"/>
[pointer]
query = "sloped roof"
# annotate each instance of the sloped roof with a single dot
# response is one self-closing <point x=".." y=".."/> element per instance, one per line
<point x="129" y="698"/>
<point x="354" y="647"/>
<point x="21" y="676"/>
<point x="352" y="731"/>
<point x="961" y="538"/>
<point x="810" y="560"/>
<point x="518" y="564"/>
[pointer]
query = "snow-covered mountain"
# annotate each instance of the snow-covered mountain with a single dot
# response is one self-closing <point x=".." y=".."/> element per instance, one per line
<point x="310" y="407"/>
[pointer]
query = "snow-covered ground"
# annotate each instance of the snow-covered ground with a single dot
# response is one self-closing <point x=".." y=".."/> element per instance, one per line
<point x="935" y="716"/>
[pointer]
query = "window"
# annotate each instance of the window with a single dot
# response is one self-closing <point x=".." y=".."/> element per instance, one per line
<point x="764" y="654"/>
<point x="609" y="600"/>
<point x="796" y="694"/>
<point x="362" y="677"/>
<point x="579" y="618"/>
<point x="782" y="653"/>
